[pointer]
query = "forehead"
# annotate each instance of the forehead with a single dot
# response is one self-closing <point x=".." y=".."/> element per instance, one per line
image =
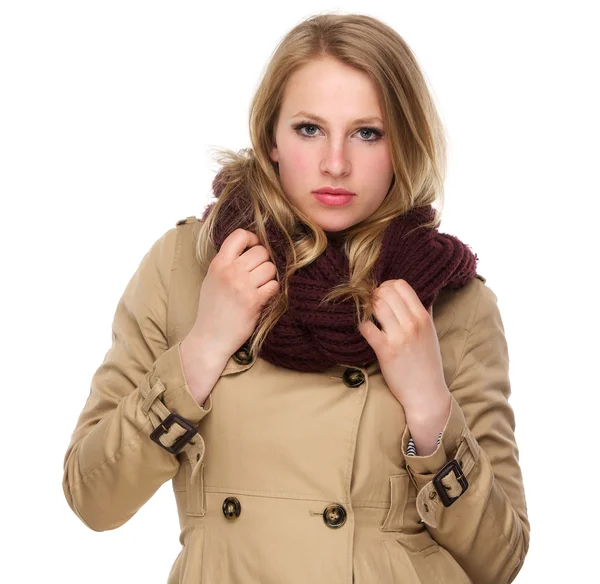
<point x="332" y="90"/>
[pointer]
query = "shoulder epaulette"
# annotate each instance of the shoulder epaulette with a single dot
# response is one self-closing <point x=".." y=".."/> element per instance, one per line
<point x="190" y="219"/>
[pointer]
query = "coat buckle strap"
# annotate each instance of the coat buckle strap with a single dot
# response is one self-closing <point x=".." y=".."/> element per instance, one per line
<point x="179" y="442"/>
<point x="450" y="466"/>
<point x="450" y="482"/>
<point x="177" y="432"/>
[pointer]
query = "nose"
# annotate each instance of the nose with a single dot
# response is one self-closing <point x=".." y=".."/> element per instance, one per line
<point x="335" y="159"/>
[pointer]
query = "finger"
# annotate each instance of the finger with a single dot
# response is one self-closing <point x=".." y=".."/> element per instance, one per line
<point x="386" y="314"/>
<point x="411" y="300"/>
<point x="397" y="307"/>
<point x="371" y="334"/>
<point x="263" y="274"/>
<point x="253" y="257"/>
<point x="236" y="243"/>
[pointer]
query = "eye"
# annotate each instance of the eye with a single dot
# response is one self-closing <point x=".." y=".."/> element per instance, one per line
<point x="373" y="131"/>
<point x="304" y="125"/>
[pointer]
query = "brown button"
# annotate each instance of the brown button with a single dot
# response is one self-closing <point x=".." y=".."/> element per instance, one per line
<point x="242" y="355"/>
<point x="353" y="377"/>
<point x="334" y="516"/>
<point x="231" y="508"/>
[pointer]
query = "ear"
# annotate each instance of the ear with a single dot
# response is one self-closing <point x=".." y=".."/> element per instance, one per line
<point x="274" y="153"/>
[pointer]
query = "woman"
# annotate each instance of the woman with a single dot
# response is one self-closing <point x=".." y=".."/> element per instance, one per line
<point x="323" y="377"/>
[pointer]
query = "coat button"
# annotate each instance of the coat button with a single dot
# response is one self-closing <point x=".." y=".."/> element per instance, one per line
<point x="334" y="516"/>
<point x="232" y="508"/>
<point x="353" y="377"/>
<point x="242" y="355"/>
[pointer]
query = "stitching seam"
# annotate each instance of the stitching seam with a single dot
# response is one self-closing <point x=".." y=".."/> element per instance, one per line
<point x="470" y="329"/>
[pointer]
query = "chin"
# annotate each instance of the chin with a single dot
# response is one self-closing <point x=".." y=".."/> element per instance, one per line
<point x="329" y="226"/>
<point x="336" y="228"/>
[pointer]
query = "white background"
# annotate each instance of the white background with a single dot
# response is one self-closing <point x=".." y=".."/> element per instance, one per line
<point x="108" y="112"/>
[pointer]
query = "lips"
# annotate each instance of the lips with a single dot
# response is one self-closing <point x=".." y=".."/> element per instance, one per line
<point x="333" y="200"/>
<point x="333" y="191"/>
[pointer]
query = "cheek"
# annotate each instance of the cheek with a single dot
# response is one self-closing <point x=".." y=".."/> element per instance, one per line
<point x="298" y="161"/>
<point x="381" y="161"/>
<point x="380" y="169"/>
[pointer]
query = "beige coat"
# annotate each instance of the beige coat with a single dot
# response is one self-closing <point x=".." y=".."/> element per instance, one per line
<point x="295" y="477"/>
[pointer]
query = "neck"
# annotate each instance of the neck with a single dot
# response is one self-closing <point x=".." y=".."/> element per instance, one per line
<point x="335" y="237"/>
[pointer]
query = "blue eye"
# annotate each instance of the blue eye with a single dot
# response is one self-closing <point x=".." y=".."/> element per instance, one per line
<point x="376" y="133"/>
<point x="302" y="126"/>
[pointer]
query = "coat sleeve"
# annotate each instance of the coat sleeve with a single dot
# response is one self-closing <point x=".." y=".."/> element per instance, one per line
<point x="112" y="466"/>
<point x="411" y="449"/>
<point x="485" y="527"/>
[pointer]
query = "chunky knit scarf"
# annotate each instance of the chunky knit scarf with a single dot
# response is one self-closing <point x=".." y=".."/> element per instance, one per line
<point x="313" y="338"/>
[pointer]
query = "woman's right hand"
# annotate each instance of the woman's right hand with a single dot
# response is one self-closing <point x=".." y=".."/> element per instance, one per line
<point x="237" y="285"/>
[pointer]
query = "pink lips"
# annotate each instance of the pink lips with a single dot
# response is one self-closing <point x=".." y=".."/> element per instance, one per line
<point x="333" y="191"/>
<point x="333" y="196"/>
<point x="333" y="200"/>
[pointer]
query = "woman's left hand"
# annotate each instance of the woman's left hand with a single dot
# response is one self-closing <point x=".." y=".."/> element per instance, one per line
<point x="407" y="347"/>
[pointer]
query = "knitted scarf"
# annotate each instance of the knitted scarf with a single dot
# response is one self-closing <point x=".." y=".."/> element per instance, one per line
<point x="309" y="337"/>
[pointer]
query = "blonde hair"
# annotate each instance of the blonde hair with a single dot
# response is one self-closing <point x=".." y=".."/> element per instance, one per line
<point x="417" y="147"/>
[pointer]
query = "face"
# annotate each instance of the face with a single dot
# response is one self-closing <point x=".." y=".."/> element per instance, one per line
<point x="333" y="149"/>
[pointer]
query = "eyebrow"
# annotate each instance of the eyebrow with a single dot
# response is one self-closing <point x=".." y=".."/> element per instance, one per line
<point x="319" y="119"/>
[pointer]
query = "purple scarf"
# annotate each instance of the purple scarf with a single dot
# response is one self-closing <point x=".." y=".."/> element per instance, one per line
<point x="312" y="338"/>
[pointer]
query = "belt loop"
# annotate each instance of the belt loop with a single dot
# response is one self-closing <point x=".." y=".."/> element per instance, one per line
<point x="195" y="491"/>
<point x="151" y="396"/>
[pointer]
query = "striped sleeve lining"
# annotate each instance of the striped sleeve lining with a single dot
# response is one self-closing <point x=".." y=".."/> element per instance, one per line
<point x="412" y="451"/>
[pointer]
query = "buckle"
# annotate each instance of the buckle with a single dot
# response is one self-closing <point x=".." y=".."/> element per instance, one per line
<point x="166" y="424"/>
<point x="451" y="465"/>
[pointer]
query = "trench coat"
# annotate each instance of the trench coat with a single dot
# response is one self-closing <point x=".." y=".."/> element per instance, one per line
<point x="289" y="477"/>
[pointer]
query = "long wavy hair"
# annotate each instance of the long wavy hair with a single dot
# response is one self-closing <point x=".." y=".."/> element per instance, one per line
<point x="417" y="146"/>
